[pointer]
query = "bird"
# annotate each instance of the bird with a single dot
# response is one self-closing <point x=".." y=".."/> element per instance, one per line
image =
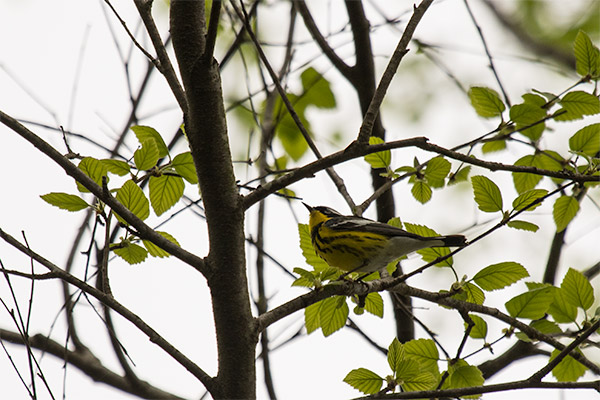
<point x="356" y="244"/>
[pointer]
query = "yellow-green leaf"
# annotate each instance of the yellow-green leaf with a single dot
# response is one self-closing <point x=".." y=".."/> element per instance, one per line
<point x="131" y="252"/>
<point x="381" y="159"/>
<point x="486" y="102"/>
<point x="156" y="251"/>
<point x="586" y="140"/>
<point x="487" y="194"/>
<point x="184" y="165"/>
<point x="577" y="289"/>
<point x="568" y="369"/>
<point x="522" y="225"/>
<point x="65" y="201"/>
<point x="501" y="275"/>
<point x="165" y="192"/>
<point x="132" y="197"/>
<point x="368" y="382"/>
<point x="93" y="168"/>
<point x="587" y="56"/>
<point x="565" y="209"/>
<point x="144" y="133"/>
<point x="527" y="198"/>
<point x="147" y="156"/>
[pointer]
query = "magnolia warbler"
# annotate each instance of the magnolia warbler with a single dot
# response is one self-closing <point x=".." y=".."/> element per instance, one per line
<point x="355" y="244"/>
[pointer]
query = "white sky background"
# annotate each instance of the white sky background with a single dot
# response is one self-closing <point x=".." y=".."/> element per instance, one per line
<point x="41" y="46"/>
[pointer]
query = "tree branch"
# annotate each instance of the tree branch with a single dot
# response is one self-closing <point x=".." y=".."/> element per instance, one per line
<point x="144" y="230"/>
<point x="111" y="302"/>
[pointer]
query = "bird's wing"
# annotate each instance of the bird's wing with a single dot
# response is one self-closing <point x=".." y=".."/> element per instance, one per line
<point x="367" y="225"/>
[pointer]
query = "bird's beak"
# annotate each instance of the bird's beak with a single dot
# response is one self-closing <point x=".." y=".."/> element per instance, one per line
<point x="309" y="208"/>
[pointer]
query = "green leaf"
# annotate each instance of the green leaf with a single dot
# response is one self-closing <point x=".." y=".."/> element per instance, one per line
<point x="474" y="294"/>
<point x="395" y="355"/>
<point x="587" y="56"/>
<point x="144" y="133"/>
<point x="432" y="253"/>
<point x="542" y="325"/>
<point x="565" y="209"/>
<point x="92" y="168"/>
<point x="493" y="145"/>
<point x="479" y="330"/>
<point x="132" y="197"/>
<point x="117" y="167"/>
<point x="534" y="99"/>
<point x="333" y="314"/>
<point x="421" y="191"/>
<point x="317" y="89"/>
<point x="527" y="198"/>
<point x="586" y="140"/>
<point x="288" y="132"/>
<point x="487" y="194"/>
<point x="368" y="382"/>
<point x="184" y="165"/>
<point x="436" y="171"/>
<point x="523" y="225"/>
<point x="131" y="252"/>
<point x="381" y="159"/>
<point x="147" y="156"/>
<point x="577" y="289"/>
<point x="412" y="381"/>
<point x="524" y="180"/>
<point x="526" y="114"/>
<point x="425" y="352"/>
<point x="307" y="278"/>
<point x="308" y="251"/>
<point x="465" y="376"/>
<point x="312" y="317"/>
<point x="462" y="175"/>
<point x="577" y="104"/>
<point x="156" y="251"/>
<point x="65" y="201"/>
<point x="532" y="304"/>
<point x="498" y="276"/>
<point x="561" y="310"/>
<point x="486" y="102"/>
<point x="374" y="304"/>
<point x="165" y="192"/>
<point x="569" y="369"/>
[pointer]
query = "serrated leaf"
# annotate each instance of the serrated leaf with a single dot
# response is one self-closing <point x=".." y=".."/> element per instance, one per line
<point x="333" y="314"/>
<point x="527" y="198"/>
<point x="586" y="140"/>
<point x="425" y="352"/>
<point x="432" y="253"/>
<point x="528" y="115"/>
<point x="144" y="133"/>
<point x="381" y="159"/>
<point x="156" y="251"/>
<point x="117" y="167"/>
<point x="92" y="168"/>
<point x="132" y="197"/>
<point x="317" y="89"/>
<point x="165" y="192"/>
<point x="525" y="181"/>
<point x="523" y="225"/>
<point x="474" y="294"/>
<point x="436" y="171"/>
<point x="65" y="201"/>
<point x="395" y="355"/>
<point x="465" y="376"/>
<point x="486" y="102"/>
<point x="568" y="369"/>
<point x="487" y="194"/>
<point x="577" y="104"/>
<point x="561" y="310"/>
<point x="542" y="325"/>
<point x="533" y="99"/>
<point x="312" y="315"/>
<point x="587" y="56"/>
<point x="308" y="251"/>
<point x="146" y="157"/>
<point x="493" y="145"/>
<point x="131" y="252"/>
<point x="374" y="304"/>
<point x="418" y="381"/>
<point x="577" y="289"/>
<point x="307" y="278"/>
<point x="565" y="209"/>
<point x="421" y="191"/>
<point x="532" y="304"/>
<point x="479" y="330"/>
<point x="368" y="382"/>
<point x="501" y="275"/>
<point x="462" y="175"/>
<point x="184" y="165"/>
